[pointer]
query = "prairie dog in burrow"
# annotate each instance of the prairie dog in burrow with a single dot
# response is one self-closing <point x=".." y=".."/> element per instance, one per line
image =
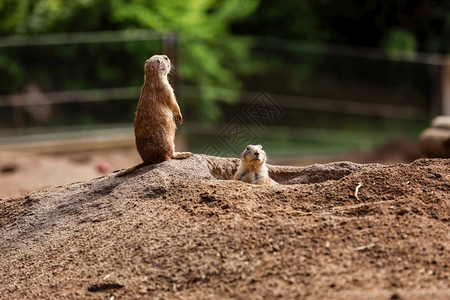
<point x="156" y="113"/>
<point x="252" y="168"/>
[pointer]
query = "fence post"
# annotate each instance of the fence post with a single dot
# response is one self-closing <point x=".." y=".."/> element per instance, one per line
<point x="170" y="48"/>
<point x="445" y="86"/>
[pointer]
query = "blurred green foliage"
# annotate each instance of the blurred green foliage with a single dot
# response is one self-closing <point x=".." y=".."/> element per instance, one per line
<point x="201" y="25"/>
<point x="420" y="24"/>
<point x="214" y="47"/>
<point x="400" y="44"/>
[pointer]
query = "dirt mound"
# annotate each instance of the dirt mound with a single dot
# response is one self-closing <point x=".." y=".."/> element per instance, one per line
<point x="180" y="229"/>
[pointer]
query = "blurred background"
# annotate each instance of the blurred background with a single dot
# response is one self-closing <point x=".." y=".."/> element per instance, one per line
<point x="313" y="81"/>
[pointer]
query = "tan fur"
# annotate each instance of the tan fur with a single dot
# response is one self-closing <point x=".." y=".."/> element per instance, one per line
<point x="253" y="167"/>
<point x="154" y="124"/>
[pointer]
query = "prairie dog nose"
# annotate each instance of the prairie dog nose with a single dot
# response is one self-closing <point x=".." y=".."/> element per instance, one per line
<point x="256" y="153"/>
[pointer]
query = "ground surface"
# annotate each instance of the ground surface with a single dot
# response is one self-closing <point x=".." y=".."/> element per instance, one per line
<point x="31" y="170"/>
<point x="180" y="230"/>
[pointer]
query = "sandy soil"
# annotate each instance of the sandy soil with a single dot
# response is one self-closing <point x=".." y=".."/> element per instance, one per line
<point x="181" y="230"/>
<point x="26" y="171"/>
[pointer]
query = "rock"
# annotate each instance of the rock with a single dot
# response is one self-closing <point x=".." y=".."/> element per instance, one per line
<point x="435" y="141"/>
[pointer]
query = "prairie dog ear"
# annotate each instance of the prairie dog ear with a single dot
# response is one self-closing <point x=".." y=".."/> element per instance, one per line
<point x="260" y="146"/>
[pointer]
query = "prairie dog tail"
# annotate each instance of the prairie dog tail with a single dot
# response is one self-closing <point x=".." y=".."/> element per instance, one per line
<point x="129" y="170"/>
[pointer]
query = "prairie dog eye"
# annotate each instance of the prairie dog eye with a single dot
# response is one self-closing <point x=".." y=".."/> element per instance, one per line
<point x="248" y="148"/>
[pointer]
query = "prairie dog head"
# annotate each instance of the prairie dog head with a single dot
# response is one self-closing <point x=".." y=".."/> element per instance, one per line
<point x="158" y="64"/>
<point x="254" y="154"/>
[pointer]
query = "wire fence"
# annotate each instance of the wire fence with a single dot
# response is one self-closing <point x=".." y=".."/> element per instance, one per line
<point x="335" y="98"/>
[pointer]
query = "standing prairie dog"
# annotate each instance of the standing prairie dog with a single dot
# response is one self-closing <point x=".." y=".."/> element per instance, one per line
<point x="156" y="113"/>
<point x="253" y="167"/>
